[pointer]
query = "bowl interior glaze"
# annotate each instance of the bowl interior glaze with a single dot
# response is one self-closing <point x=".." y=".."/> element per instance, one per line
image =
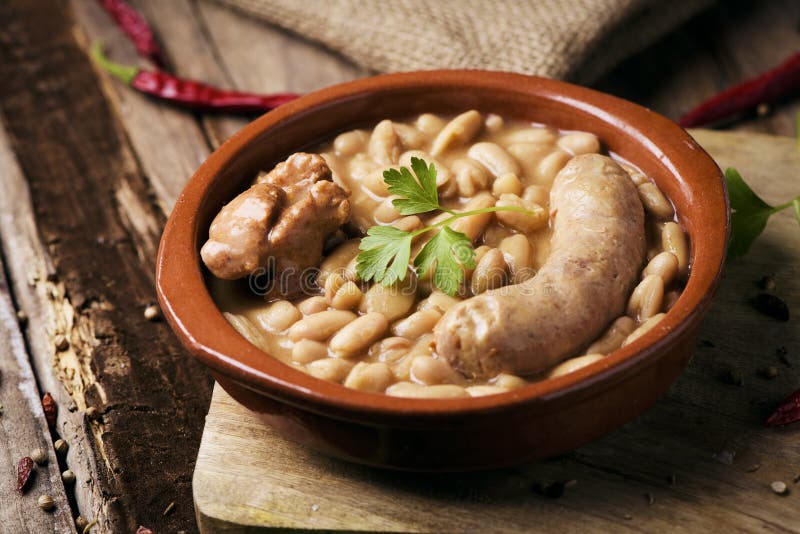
<point x="655" y="144"/>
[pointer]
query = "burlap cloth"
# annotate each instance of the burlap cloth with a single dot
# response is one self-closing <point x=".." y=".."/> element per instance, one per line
<point x="570" y="39"/>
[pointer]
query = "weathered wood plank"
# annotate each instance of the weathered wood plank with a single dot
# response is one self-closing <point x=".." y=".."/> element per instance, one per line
<point x="150" y="397"/>
<point x="42" y="298"/>
<point x="23" y="429"/>
<point x="169" y="143"/>
<point x="263" y="58"/>
<point x="695" y="63"/>
<point x="706" y="433"/>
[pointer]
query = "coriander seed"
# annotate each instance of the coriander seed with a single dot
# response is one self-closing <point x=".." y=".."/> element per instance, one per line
<point x="61" y="446"/>
<point x="46" y="502"/>
<point x="91" y="413"/>
<point x="81" y="523"/>
<point x="39" y="456"/>
<point x="779" y="488"/>
<point x="68" y="476"/>
<point x="152" y="313"/>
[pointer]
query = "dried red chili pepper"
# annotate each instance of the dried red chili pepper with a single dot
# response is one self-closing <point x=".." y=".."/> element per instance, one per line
<point x="24" y="470"/>
<point x="787" y="412"/>
<point x="765" y="88"/>
<point x="189" y="93"/>
<point x="136" y="28"/>
<point x="50" y="410"/>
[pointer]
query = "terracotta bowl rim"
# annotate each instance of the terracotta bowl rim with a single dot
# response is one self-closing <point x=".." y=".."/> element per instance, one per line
<point x="275" y="379"/>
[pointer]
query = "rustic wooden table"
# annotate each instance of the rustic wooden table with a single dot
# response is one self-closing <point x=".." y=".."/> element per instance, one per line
<point x="89" y="171"/>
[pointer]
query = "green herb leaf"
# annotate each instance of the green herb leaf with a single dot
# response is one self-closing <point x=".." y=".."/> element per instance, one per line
<point x="385" y="254"/>
<point x="749" y="214"/>
<point x="416" y="195"/>
<point x="450" y="251"/>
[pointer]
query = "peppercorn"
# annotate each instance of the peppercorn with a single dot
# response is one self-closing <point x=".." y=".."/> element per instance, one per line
<point x="46" y="502"/>
<point x="61" y="446"/>
<point x="152" y="313"/>
<point x="68" y="476"/>
<point x="39" y="456"/>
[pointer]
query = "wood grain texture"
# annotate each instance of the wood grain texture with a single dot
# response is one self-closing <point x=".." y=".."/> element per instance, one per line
<point x="732" y="41"/>
<point x="248" y="479"/>
<point x="92" y="208"/>
<point x="23" y="429"/>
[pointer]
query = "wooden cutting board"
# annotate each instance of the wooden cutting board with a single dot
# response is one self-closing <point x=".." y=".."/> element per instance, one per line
<point x="699" y="460"/>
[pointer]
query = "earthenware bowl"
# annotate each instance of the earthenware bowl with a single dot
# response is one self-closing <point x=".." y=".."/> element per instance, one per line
<point x="526" y="424"/>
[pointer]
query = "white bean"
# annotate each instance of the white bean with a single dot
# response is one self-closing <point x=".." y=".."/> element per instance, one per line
<point x="523" y="222"/>
<point x="412" y="390"/>
<point x="375" y="183"/>
<point x="508" y="381"/>
<point x="655" y="202"/>
<point x="471" y="176"/>
<point x="307" y="351"/>
<point x="390" y="349"/>
<point x="320" y="326"/>
<point x="372" y="377"/>
<point x="431" y="371"/>
<point x="573" y="364"/>
<point x="312" y="305"/>
<point x="537" y="194"/>
<point x="528" y="155"/>
<point x="349" y="143"/>
<point x="636" y="175"/>
<point x="439" y="301"/>
<point x="507" y="184"/>
<point x="459" y="131"/>
<point x="613" y="337"/>
<point x="408" y="223"/>
<point x="643" y="329"/>
<point x="494" y="158"/>
<point x="386" y="212"/>
<point x="347" y="297"/>
<point x="358" y="335"/>
<point x="332" y="285"/>
<point x="393" y="301"/>
<point x="493" y="123"/>
<point x="490" y="273"/>
<point x="383" y="146"/>
<point x="482" y="391"/>
<point x="337" y="260"/>
<point x="330" y="369"/>
<point x="474" y="225"/>
<point x="665" y="265"/>
<point x="416" y="324"/>
<point x="579" y="143"/>
<point x="550" y="165"/>
<point x="542" y="136"/>
<point x="430" y="124"/>
<point x="646" y="299"/>
<point x="674" y="240"/>
<point x="518" y="253"/>
<point x="409" y="136"/>
<point x="278" y="316"/>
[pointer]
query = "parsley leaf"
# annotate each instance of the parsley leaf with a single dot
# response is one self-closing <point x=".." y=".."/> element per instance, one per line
<point x="385" y="254"/>
<point x="415" y="196"/>
<point x="749" y="214"/>
<point x="451" y="251"/>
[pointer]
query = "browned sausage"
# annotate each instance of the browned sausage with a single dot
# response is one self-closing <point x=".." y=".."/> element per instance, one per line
<point x="598" y="247"/>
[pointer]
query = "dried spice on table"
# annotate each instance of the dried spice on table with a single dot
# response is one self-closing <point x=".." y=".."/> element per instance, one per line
<point x="50" y="410"/>
<point x="766" y="88"/>
<point x="136" y="28"/>
<point x="190" y="94"/>
<point x="787" y="412"/>
<point x="24" y="472"/>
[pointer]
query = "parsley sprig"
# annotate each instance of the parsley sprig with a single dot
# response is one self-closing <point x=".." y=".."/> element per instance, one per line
<point x="386" y="250"/>
<point x="749" y="213"/>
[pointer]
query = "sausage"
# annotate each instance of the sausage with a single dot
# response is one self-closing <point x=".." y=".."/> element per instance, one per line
<point x="598" y="248"/>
